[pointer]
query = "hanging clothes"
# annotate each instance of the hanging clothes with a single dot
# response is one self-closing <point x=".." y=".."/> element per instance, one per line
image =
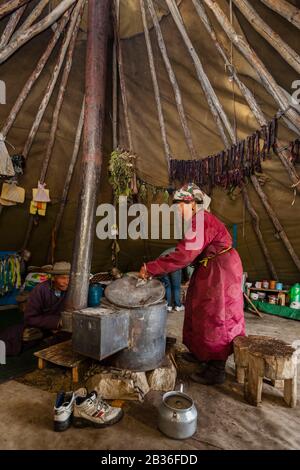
<point x="6" y="166"/>
<point x="10" y="273"/>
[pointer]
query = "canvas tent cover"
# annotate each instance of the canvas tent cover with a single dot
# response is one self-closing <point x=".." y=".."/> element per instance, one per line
<point x="146" y="134"/>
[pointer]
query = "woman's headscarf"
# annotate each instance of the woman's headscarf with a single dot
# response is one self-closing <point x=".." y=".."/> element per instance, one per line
<point x="191" y="192"/>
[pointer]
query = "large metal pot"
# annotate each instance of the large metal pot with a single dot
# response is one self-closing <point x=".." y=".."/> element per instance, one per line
<point x="147" y="339"/>
<point x="177" y="415"/>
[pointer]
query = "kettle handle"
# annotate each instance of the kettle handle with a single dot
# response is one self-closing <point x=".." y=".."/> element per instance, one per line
<point x="181" y="387"/>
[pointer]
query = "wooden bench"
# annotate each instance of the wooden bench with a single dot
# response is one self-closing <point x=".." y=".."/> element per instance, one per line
<point x="259" y="357"/>
<point x="63" y="355"/>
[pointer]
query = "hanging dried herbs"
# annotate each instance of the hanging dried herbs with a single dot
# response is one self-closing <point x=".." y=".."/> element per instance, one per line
<point x="121" y="172"/>
<point x="147" y="192"/>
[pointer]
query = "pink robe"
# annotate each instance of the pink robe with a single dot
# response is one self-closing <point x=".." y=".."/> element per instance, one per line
<point x="214" y="313"/>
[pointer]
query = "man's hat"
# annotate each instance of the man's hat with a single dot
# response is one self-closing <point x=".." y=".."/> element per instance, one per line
<point x="61" y="268"/>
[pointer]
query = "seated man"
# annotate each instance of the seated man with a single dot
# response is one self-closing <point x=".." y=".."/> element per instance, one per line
<point x="46" y="301"/>
<point x="42" y="313"/>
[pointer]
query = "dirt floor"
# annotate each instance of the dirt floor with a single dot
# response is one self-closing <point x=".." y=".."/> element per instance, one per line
<point x="225" y="420"/>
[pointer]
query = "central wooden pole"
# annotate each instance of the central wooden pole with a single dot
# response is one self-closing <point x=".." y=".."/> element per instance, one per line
<point x="95" y="87"/>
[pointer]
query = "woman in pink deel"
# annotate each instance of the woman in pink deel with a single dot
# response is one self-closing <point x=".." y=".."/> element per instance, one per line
<point x="214" y="313"/>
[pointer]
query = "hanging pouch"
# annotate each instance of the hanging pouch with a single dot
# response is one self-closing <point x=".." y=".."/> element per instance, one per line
<point x="41" y="194"/>
<point x="12" y="193"/>
<point x="6" y="166"/>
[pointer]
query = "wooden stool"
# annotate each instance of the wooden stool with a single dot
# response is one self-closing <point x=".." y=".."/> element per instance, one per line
<point x="241" y="346"/>
<point x="62" y="355"/>
<point x="259" y="357"/>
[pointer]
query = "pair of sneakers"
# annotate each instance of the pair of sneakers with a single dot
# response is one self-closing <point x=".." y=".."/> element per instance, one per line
<point x="83" y="409"/>
<point x="177" y="309"/>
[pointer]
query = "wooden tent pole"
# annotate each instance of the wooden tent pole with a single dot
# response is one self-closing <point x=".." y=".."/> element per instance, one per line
<point x="95" y="83"/>
<point x="267" y="79"/>
<point x="32" y="17"/>
<point x="173" y="80"/>
<point x="122" y="76"/>
<point x="11" y="25"/>
<point x="262" y="120"/>
<point x="248" y="95"/>
<point x="64" y="197"/>
<point x="285" y="9"/>
<point x="257" y="230"/>
<point x="271" y="213"/>
<point x="210" y="95"/>
<point x="72" y="29"/>
<point x="161" y="118"/>
<point x="35" y="29"/>
<point x="287" y="52"/>
<point x="35" y="75"/>
<point x="10" y="5"/>
<point x="115" y="100"/>
<point x="284" y="156"/>
<point x="55" y="116"/>
<point x="60" y="97"/>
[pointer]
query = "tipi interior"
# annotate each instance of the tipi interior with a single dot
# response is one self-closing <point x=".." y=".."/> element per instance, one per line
<point x="174" y="91"/>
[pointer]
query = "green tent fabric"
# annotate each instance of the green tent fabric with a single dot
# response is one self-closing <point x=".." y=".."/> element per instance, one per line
<point x="278" y="310"/>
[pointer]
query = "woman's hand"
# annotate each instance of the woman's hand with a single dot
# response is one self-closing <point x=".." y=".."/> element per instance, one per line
<point x="143" y="274"/>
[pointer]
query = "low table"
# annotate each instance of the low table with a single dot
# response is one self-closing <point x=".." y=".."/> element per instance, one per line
<point x="63" y="355"/>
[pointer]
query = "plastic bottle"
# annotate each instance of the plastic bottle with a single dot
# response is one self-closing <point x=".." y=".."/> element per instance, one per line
<point x="295" y="293"/>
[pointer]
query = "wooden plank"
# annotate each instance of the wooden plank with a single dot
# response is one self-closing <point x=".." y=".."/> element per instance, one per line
<point x="61" y="354"/>
<point x="261" y="289"/>
<point x="252" y="305"/>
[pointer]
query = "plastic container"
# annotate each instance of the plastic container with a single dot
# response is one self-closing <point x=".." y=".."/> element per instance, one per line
<point x="272" y="284"/>
<point x="295" y="293"/>
<point x="265" y="284"/>
<point x="95" y="295"/>
<point x="279" y="286"/>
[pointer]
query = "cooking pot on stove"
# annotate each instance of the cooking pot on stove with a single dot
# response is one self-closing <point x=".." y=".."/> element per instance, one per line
<point x="177" y="415"/>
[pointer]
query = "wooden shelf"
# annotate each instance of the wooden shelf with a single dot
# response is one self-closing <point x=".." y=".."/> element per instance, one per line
<point x="268" y="290"/>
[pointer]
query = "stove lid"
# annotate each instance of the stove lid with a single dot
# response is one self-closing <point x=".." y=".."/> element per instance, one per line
<point x="129" y="292"/>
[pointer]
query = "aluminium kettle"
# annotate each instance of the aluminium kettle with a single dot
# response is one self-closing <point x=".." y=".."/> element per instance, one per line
<point x="177" y="415"/>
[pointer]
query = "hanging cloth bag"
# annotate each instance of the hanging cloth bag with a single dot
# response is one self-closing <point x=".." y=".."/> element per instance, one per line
<point x="41" y="194"/>
<point x="12" y="193"/>
<point x="6" y="166"/>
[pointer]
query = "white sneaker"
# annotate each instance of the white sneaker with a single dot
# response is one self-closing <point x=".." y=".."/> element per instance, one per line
<point x="169" y="309"/>
<point x="179" y="309"/>
<point x="92" y="411"/>
<point x="63" y="408"/>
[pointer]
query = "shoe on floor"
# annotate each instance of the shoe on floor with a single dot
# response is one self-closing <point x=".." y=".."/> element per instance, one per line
<point x="32" y="334"/>
<point x="179" y="309"/>
<point x="63" y="408"/>
<point x="93" y="411"/>
<point x="169" y="308"/>
<point x="212" y="374"/>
